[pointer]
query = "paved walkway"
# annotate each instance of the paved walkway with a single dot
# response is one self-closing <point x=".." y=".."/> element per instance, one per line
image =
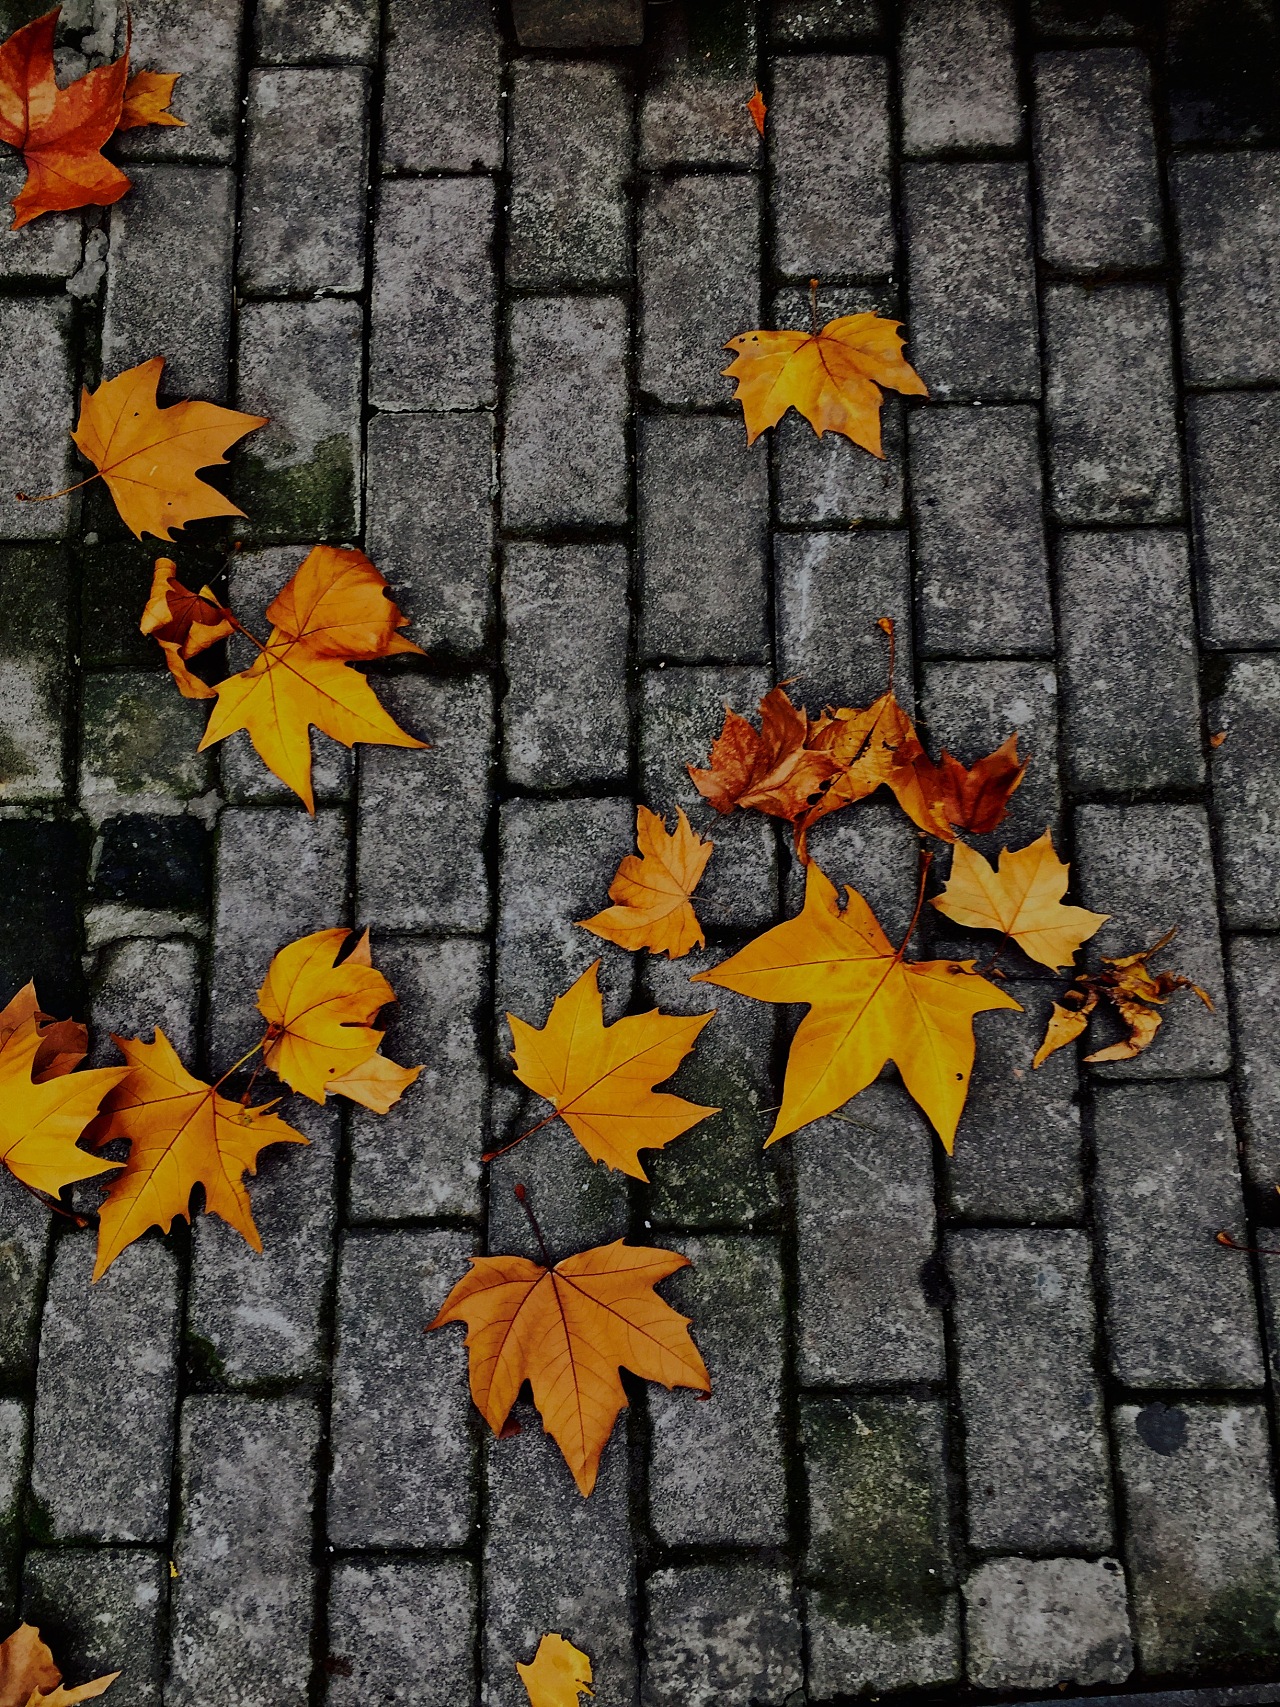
<point x="992" y="1425"/>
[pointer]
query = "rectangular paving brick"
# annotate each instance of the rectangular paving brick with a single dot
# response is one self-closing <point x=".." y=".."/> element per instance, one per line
<point x="24" y="1245"/>
<point x="261" y="1316"/>
<point x="433" y="539"/>
<point x="123" y="772"/>
<point x="247" y="1491"/>
<point x="717" y="1473"/>
<point x="142" y="984"/>
<point x="441" y="105"/>
<point x="377" y="1613"/>
<point x="699" y="282"/>
<point x="1244" y="769"/>
<point x="1126" y="616"/>
<point x="35" y="388"/>
<point x="1035" y="1439"/>
<point x="691" y="106"/>
<point x="1113" y="450"/>
<point x="722" y="1635"/>
<point x="959" y="77"/>
<point x="701" y="500"/>
<point x="49" y="249"/>
<point x="971" y="304"/>
<point x="831" y="590"/>
<point x="207" y="95"/>
<point x="568" y="217"/>
<point x="400" y="1433"/>
<point x="867" y="1238"/>
<point x="877" y="1568"/>
<point x="433" y="309"/>
<point x="1179" y="1313"/>
<point x="1149" y="867"/>
<point x="1234" y="492"/>
<point x="1033" y="1623"/>
<point x="875" y="849"/>
<point x="566" y="627"/>
<point x="34" y="686"/>
<point x="1096" y="161"/>
<point x="325" y="31"/>
<point x="1254" y="970"/>
<point x="798" y="22"/>
<point x="306" y="169"/>
<point x="106" y="1605"/>
<point x="829" y="141"/>
<point x="13" y="1457"/>
<point x="1201" y="1552"/>
<point x="90" y="1479"/>
<point x="1225" y="206"/>
<point x="562" y="468"/>
<point x="169" y="278"/>
<point x="420" y="848"/>
<point x="982" y="571"/>
<point x="423" y="1157"/>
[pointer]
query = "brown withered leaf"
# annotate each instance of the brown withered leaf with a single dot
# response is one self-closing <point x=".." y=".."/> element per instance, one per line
<point x="773" y="769"/>
<point x="1131" y="990"/>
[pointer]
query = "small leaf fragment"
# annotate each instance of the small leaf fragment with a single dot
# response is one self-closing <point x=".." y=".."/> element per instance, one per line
<point x="757" y="109"/>
<point x="146" y="100"/>
<point x="557" y="1675"/>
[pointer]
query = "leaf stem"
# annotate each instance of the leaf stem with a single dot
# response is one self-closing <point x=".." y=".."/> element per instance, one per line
<point x="48" y="497"/>
<point x="1225" y="1239"/>
<point x="926" y="860"/>
<point x="522" y="1198"/>
<point x="492" y="1155"/>
<point x="247" y="1056"/>
<point x="241" y="629"/>
<point x="813" y="306"/>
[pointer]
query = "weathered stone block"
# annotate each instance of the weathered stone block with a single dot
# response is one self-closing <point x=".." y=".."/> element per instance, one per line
<point x="804" y="21"/>
<point x="1235" y="507"/>
<point x="35" y="596"/>
<point x="106" y="1605"/>
<point x="441" y="100"/>
<point x="140" y="985"/>
<point x="959" y="77"/>
<point x="327" y="31"/>
<point x="721" y="1636"/>
<point x="13" y="1461"/>
<point x="578" y="23"/>
<point x="36" y="389"/>
<point x="207" y="60"/>
<point x="873" y="846"/>
<point x="1226" y="206"/>
<point x="831" y="590"/>
<point x="1245" y="784"/>
<point x="1254" y="969"/>
<point x="139" y="741"/>
<point x="47" y="249"/>
<point x="24" y="1245"/>
<point x="44" y="865"/>
<point x="1041" y="1623"/>
<point x="829" y="139"/>
<point x="377" y="1614"/>
<point x="692" y="108"/>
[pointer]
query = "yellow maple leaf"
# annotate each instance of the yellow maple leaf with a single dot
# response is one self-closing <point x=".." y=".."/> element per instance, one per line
<point x="557" y="1675"/>
<point x="653" y="890"/>
<point x="867" y="1005"/>
<point x="181" y="1134"/>
<point x="833" y="377"/>
<point x="1021" y="898"/>
<point x="41" y="1120"/>
<point x="29" y="1674"/>
<point x="600" y="1078"/>
<point x="146" y="100"/>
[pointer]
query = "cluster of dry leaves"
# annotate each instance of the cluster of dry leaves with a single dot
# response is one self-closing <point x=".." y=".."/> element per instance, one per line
<point x="567" y="1327"/>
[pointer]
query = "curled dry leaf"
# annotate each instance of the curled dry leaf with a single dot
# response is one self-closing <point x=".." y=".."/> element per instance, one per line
<point x="873" y="747"/>
<point x="332" y="613"/>
<point x="653" y="892"/>
<point x="773" y="769"/>
<point x="1021" y="898"/>
<point x="833" y="377"/>
<point x="29" y="1674"/>
<point x="146" y="100"/>
<point x="974" y="799"/>
<point x="63" y="1043"/>
<point x="600" y="1078"/>
<point x="44" y="1106"/>
<point x="557" y="1675"/>
<point x="568" y="1330"/>
<point x="185" y="624"/>
<point x="1133" y="992"/>
<point x="867" y="1005"/>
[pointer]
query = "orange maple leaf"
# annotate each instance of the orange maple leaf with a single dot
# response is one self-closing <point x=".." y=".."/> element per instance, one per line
<point x="568" y="1330"/>
<point x="757" y="109"/>
<point x="600" y="1078"/>
<point x="29" y="1675"/>
<point x="185" y="624"/>
<point x="41" y="1118"/>
<point x="867" y="1005"/>
<point x="333" y="612"/>
<point x="146" y="100"/>
<point x="974" y="798"/>
<point x="1021" y="898"/>
<point x="181" y="1134"/>
<point x="318" y="1016"/>
<point x="653" y="892"/>
<point x="557" y="1675"/>
<point x="63" y="1043"/>
<point x="59" y="131"/>
<point x="773" y="769"/>
<point x="832" y="377"/>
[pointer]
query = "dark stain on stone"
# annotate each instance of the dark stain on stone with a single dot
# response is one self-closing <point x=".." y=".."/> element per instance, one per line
<point x="935" y="1283"/>
<point x="1161" y="1427"/>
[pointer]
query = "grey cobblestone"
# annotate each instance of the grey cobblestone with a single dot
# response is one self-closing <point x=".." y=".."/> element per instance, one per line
<point x="327" y="30"/>
<point x="1244" y="768"/>
<point x="247" y="1492"/>
<point x="1035" y="1438"/>
<point x="47" y="248"/>
<point x="106" y="1605"/>
<point x="831" y="591"/>
<point x="1226" y="207"/>
<point x="13" y="1457"/>
<point x="717" y="1476"/>
<point x="959" y="77"/>
<point x="693" y="109"/>
<point x="699" y="282"/>
<point x="24" y="1245"/>
<point x="433" y="310"/>
<point x="140" y="985"/>
<point x="169" y="278"/>
<point x="1180" y="1310"/>
<point x="876" y="849"/>
<point x="302" y="218"/>
<point x="721" y="1636"/>
<point x="1254" y="967"/>
<point x="866" y="1236"/>
<point x="564" y="717"/>
<point x="797" y="22"/>
<point x="34" y="588"/>
<point x="207" y="96"/>
<point x="1233" y="501"/>
<point x="981" y="565"/>
<point x="1127" y="620"/>
<point x="1113" y="450"/>
<point x="138" y="745"/>
<point x="1034" y="1623"/>
<point x="972" y="306"/>
<point x="91" y="1479"/>
<point x="441" y="110"/>
<point x="829" y="140"/>
<point x="1096" y="160"/>
<point x="701" y="502"/>
<point x="1203" y="1566"/>
<point x="377" y="1615"/>
<point x="569" y="158"/>
<point x="35" y="387"/>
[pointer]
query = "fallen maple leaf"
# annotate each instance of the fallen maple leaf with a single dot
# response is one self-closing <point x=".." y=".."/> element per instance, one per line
<point x="29" y="1675"/>
<point x="181" y="1134"/>
<point x="331" y="613"/>
<point x="319" y="1032"/>
<point x="773" y="769"/>
<point x="63" y="1043"/>
<point x="146" y="100"/>
<point x="876" y="746"/>
<point x="600" y="1078"/>
<point x="59" y="131"/>
<point x="1131" y="990"/>
<point x="653" y="891"/>
<point x="867" y="1005"/>
<point x="557" y="1675"/>
<point x="185" y="624"/>
<point x="568" y="1330"/>
<point x="757" y="109"/>
<point x="975" y="798"/>
<point x="40" y="1119"/>
<point x="1022" y="899"/>
<point x="832" y="377"/>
